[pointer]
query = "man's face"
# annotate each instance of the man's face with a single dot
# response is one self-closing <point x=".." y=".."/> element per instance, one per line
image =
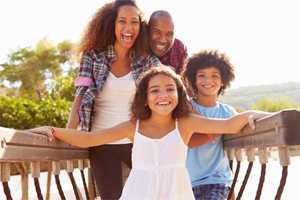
<point x="161" y="35"/>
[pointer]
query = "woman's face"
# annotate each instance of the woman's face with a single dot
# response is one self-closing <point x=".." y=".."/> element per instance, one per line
<point x="162" y="95"/>
<point x="127" y="26"/>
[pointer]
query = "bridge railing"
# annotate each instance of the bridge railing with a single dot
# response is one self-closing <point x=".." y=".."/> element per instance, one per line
<point x="279" y="133"/>
<point x="23" y="153"/>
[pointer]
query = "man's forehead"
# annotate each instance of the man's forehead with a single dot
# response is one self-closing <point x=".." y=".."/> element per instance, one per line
<point x="162" y="20"/>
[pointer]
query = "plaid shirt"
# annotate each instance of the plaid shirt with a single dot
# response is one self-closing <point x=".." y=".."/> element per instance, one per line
<point x="95" y="68"/>
<point x="176" y="56"/>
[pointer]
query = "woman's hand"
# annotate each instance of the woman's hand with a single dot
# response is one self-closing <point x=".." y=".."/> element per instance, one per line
<point x="45" y="130"/>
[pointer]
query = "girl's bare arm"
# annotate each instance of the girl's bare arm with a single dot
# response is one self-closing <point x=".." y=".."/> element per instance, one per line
<point x="197" y="124"/>
<point x="89" y="139"/>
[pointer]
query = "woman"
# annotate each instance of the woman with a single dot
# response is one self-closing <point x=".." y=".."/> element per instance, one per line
<point x="114" y="51"/>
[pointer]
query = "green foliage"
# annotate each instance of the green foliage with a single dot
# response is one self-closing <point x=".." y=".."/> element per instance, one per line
<point x="274" y="105"/>
<point x="20" y="113"/>
<point x="30" y="69"/>
<point x="63" y="86"/>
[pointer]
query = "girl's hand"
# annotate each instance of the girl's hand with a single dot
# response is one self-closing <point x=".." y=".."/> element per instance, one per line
<point x="251" y="122"/>
<point x="253" y="117"/>
<point x="45" y="130"/>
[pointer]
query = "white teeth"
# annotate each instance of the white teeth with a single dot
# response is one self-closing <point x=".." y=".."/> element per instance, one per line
<point x="163" y="103"/>
<point x="160" y="47"/>
<point x="127" y="37"/>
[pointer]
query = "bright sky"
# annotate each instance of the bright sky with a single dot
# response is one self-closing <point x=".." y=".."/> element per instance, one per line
<point x="261" y="37"/>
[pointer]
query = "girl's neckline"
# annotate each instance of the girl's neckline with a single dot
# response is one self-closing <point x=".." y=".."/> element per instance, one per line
<point x="157" y="139"/>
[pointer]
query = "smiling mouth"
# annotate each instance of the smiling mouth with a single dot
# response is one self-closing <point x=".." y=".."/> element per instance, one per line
<point x="127" y="37"/>
<point x="165" y="103"/>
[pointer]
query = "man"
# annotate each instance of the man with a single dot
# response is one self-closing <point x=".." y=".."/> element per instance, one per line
<point x="168" y="49"/>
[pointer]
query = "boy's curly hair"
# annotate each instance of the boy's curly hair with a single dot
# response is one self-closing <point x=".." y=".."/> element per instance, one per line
<point x="207" y="59"/>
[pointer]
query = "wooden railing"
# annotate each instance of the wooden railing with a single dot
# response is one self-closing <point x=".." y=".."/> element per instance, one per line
<point x="279" y="133"/>
<point x="24" y="152"/>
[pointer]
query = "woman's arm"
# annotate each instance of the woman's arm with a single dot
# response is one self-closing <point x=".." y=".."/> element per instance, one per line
<point x="73" y="119"/>
<point x="89" y="139"/>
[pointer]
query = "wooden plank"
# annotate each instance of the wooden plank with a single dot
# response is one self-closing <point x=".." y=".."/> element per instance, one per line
<point x="27" y="138"/>
<point x="280" y="129"/>
<point x="26" y="153"/>
<point x="19" y="146"/>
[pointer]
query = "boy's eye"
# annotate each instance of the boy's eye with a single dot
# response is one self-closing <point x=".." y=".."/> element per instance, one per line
<point x="216" y="76"/>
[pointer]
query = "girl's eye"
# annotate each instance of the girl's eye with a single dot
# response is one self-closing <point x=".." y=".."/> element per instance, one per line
<point x="154" y="91"/>
<point x="121" y="21"/>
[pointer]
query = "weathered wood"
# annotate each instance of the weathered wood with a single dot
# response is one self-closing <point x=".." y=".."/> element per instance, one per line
<point x="4" y="172"/>
<point x="49" y="178"/>
<point x="25" y="145"/>
<point x="280" y="129"/>
<point x="35" y="169"/>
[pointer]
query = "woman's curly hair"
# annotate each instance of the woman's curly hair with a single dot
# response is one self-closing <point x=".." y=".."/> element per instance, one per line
<point x="100" y="32"/>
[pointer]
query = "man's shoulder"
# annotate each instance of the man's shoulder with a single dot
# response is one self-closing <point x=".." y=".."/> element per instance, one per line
<point x="178" y="44"/>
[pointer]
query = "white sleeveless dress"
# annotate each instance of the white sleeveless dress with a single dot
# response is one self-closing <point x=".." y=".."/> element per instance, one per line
<point x="158" y="169"/>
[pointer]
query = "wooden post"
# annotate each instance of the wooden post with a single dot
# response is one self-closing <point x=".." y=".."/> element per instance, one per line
<point x="70" y="169"/>
<point x="35" y="169"/>
<point x="91" y="186"/>
<point x="4" y="172"/>
<point x="49" y="176"/>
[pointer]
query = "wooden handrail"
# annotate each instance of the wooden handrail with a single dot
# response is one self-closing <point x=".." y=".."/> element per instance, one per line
<point x="280" y="129"/>
<point x="28" y="146"/>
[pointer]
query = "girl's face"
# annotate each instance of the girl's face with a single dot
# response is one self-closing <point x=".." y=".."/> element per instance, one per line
<point x="127" y="26"/>
<point x="208" y="81"/>
<point x="162" y="95"/>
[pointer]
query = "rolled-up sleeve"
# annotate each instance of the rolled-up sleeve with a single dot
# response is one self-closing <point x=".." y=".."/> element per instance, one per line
<point x="85" y="77"/>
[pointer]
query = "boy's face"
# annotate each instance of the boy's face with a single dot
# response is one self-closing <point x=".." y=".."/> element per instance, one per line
<point x="162" y="95"/>
<point x="208" y="81"/>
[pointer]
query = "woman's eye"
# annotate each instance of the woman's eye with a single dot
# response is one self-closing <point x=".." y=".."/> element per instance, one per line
<point x="171" y="89"/>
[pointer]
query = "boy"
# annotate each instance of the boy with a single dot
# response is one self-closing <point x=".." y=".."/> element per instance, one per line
<point x="209" y="73"/>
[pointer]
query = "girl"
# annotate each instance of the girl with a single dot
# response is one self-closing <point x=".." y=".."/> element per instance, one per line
<point x="160" y="129"/>
<point x="114" y="51"/>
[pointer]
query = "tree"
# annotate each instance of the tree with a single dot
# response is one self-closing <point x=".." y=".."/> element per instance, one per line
<point x="63" y="86"/>
<point x="274" y="105"/>
<point x="29" y="69"/>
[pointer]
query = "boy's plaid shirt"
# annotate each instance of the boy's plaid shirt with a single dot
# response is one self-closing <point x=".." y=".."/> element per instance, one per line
<point x="96" y="66"/>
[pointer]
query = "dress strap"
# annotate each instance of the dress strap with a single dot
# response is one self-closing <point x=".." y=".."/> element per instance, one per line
<point x="137" y="125"/>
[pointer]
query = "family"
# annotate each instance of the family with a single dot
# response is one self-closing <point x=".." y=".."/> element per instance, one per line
<point x="140" y="100"/>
